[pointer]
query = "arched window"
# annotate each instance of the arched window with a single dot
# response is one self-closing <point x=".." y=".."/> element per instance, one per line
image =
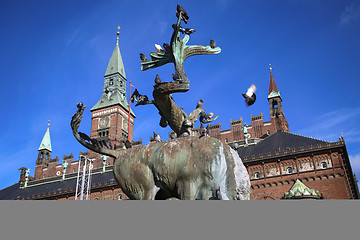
<point x="324" y="165"/>
<point x="289" y="170"/>
<point x="257" y="175"/>
<point x="275" y="104"/>
<point x="119" y="196"/>
<point x="111" y="82"/>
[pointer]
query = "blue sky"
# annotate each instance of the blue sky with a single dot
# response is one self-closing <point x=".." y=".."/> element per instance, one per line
<point x="54" y="54"/>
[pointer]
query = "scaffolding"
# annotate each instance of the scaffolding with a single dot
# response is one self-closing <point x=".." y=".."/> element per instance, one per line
<point x="83" y="181"/>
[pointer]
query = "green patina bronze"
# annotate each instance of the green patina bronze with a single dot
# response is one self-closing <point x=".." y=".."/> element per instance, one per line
<point x="187" y="168"/>
<point x="177" y="52"/>
<point x="274" y="94"/>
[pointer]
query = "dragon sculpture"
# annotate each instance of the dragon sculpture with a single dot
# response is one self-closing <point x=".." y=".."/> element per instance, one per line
<point x="176" y="52"/>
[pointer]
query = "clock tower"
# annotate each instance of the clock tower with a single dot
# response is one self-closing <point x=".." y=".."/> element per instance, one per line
<point x="110" y="115"/>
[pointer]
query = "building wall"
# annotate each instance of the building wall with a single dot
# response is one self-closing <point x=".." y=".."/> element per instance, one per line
<point x="270" y="180"/>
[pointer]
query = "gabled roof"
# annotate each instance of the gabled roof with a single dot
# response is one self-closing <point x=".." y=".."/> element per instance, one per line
<point x="46" y="141"/>
<point x="278" y="141"/>
<point x="300" y="190"/>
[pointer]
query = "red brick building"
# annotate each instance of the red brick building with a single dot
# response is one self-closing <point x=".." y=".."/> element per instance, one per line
<point x="281" y="165"/>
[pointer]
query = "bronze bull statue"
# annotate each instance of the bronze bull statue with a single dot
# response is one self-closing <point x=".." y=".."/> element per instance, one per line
<point x="185" y="168"/>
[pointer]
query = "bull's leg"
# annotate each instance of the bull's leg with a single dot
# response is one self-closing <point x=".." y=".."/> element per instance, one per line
<point x="188" y="190"/>
<point x="207" y="193"/>
<point x="142" y="183"/>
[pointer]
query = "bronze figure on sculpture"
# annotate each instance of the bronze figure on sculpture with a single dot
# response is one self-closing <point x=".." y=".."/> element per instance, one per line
<point x="176" y="53"/>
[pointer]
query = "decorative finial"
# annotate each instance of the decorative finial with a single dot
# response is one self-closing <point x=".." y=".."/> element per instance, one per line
<point x="270" y="68"/>
<point x="117" y="33"/>
<point x="48" y="123"/>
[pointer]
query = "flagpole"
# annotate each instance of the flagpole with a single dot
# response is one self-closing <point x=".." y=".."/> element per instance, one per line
<point x="129" y="112"/>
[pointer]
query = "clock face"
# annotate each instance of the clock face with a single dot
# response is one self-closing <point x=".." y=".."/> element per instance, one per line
<point x="125" y="124"/>
<point x="104" y="122"/>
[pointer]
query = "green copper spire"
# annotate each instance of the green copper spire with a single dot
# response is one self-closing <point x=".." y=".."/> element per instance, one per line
<point x="300" y="190"/>
<point x="46" y="142"/>
<point x="114" y="92"/>
<point x="116" y="64"/>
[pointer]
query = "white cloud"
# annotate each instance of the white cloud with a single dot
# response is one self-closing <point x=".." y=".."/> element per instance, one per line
<point x="350" y="14"/>
<point x="331" y="125"/>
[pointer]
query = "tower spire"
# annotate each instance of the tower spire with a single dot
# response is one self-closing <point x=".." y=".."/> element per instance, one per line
<point x="273" y="90"/>
<point x="46" y="141"/>
<point x="114" y="92"/>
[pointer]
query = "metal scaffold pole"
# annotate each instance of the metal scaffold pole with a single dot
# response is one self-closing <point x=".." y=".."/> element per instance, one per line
<point x="83" y="181"/>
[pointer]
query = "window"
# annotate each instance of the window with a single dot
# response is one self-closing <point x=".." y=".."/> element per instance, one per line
<point x="257" y="175"/>
<point x="111" y="82"/>
<point x="108" y="163"/>
<point x="226" y="140"/>
<point x="275" y="104"/>
<point x="289" y="170"/>
<point x="119" y="196"/>
<point x="324" y="165"/>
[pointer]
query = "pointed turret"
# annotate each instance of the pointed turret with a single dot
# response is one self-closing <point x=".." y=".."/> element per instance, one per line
<point x="116" y="64"/>
<point x="44" y="155"/>
<point x="273" y="90"/>
<point x="46" y="141"/>
<point x="277" y="117"/>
